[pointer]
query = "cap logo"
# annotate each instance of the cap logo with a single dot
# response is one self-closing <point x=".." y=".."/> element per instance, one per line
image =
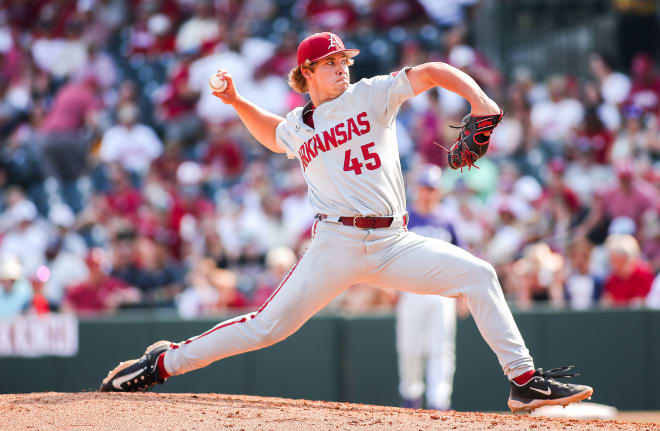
<point x="333" y="41"/>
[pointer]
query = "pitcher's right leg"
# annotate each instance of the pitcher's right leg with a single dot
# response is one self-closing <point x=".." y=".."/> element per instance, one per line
<point x="334" y="261"/>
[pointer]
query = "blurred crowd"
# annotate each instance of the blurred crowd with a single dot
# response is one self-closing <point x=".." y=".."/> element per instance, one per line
<point x="126" y="184"/>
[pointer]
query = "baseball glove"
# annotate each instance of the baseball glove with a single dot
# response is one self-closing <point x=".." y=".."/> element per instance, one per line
<point x="473" y="140"/>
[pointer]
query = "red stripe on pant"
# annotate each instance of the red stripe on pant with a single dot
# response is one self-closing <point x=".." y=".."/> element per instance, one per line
<point x="253" y="315"/>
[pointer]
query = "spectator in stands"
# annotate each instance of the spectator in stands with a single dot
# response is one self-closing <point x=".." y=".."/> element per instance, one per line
<point x="27" y="238"/>
<point x="608" y="114"/>
<point x="175" y="104"/>
<point x="630" y="279"/>
<point x="559" y="193"/>
<point x="61" y="269"/>
<point x="330" y="15"/>
<point x="592" y="134"/>
<point x="127" y="94"/>
<point x="645" y="91"/>
<point x="631" y="198"/>
<point x="614" y="86"/>
<point x="586" y="177"/>
<point x="511" y="137"/>
<point x="582" y="289"/>
<point x="390" y="13"/>
<point x="200" y="297"/>
<point x="465" y="57"/>
<point x="63" y="220"/>
<point x="21" y="159"/>
<point x="102" y="66"/>
<point x="279" y="261"/>
<point x="554" y="119"/>
<point x="141" y="262"/>
<point x="211" y="290"/>
<point x="60" y="55"/>
<point x="229" y="296"/>
<point x="152" y="34"/>
<point x="99" y="292"/>
<point x="508" y="231"/>
<point x="283" y="59"/>
<point x="124" y="199"/>
<point x="63" y="141"/>
<point x="125" y="260"/>
<point x="632" y="140"/>
<point x="39" y="304"/>
<point x="102" y="18"/>
<point x="15" y="290"/>
<point x="429" y="132"/>
<point x="222" y="152"/>
<point x="10" y="112"/>
<point x="538" y="276"/>
<point x="132" y="144"/>
<point x="448" y="13"/>
<point x="203" y="27"/>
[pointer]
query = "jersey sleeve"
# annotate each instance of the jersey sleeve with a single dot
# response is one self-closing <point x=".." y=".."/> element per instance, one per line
<point x="285" y="140"/>
<point x="387" y="93"/>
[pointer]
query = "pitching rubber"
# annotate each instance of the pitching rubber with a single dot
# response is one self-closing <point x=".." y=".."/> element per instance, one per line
<point x="519" y="406"/>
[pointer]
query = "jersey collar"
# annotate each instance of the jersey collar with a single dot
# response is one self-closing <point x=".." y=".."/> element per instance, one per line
<point x="308" y="114"/>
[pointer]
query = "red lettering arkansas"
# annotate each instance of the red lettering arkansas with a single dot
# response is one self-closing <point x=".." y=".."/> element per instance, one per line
<point x="333" y="138"/>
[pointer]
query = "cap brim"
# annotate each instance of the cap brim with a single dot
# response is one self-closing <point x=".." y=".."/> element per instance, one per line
<point x="350" y="53"/>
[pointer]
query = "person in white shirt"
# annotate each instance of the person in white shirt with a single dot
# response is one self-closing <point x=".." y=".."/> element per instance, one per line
<point x="131" y="144"/>
<point x="345" y="142"/>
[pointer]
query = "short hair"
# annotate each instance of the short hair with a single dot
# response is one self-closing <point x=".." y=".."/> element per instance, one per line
<point x="296" y="79"/>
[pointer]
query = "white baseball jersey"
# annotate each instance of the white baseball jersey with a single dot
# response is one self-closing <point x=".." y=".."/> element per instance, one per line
<point x="350" y="160"/>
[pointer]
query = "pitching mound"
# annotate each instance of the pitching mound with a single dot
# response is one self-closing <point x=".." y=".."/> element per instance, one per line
<point x="188" y="412"/>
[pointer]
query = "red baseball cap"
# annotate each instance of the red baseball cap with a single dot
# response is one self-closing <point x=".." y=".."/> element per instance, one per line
<point x="321" y="45"/>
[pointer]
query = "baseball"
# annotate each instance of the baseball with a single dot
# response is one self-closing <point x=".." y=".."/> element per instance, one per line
<point x="217" y="83"/>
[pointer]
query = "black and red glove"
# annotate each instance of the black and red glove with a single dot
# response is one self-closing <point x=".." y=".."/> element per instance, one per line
<point x="472" y="142"/>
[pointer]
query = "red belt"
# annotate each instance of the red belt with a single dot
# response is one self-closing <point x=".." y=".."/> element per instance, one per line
<point x="367" y="222"/>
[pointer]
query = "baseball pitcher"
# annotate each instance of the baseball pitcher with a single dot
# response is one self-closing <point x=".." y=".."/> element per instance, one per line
<point x="345" y="142"/>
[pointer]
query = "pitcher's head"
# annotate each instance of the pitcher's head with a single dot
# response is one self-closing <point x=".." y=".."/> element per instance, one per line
<point x="322" y="68"/>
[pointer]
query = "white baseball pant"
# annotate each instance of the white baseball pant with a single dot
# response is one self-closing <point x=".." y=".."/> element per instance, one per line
<point x="340" y="256"/>
<point x="426" y="336"/>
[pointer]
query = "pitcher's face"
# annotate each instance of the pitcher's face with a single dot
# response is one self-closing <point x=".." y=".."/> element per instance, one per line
<point x="330" y="77"/>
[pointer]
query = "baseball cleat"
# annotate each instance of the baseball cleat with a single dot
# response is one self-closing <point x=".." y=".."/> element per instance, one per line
<point x="543" y="390"/>
<point x="137" y="374"/>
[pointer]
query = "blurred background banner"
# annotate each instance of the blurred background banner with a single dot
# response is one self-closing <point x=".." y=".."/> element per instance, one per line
<point x="127" y="189"/>
<point x="33" y="336"/>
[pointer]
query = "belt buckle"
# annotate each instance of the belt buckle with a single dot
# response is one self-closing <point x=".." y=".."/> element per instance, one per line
<point x="354" y="219"/>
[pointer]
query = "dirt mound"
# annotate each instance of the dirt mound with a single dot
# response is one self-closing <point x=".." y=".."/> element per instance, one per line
<point x="187" y="412"/>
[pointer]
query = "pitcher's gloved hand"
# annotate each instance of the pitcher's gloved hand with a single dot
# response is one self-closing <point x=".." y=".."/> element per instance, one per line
<point x="472" y="142"/>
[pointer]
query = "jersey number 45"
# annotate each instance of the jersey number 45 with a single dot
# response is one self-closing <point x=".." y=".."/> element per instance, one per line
<point x="353" y="164"/>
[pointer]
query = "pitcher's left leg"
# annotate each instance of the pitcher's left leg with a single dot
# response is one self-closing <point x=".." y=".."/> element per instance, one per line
<point x="418" y="264"/>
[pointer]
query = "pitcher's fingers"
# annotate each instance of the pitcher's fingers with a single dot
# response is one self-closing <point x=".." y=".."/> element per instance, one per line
<point x="227" y="76"/>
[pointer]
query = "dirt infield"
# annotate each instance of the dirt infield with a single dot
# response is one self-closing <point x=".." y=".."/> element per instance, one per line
<point x="188" y="412"/>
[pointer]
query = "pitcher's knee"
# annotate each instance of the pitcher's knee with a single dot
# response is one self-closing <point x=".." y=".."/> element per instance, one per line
<point x="484" y="274"/>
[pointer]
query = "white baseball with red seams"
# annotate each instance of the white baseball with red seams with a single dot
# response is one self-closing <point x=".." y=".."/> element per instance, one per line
<point x="350" y="161"/>
<point x="217" y="83"/>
